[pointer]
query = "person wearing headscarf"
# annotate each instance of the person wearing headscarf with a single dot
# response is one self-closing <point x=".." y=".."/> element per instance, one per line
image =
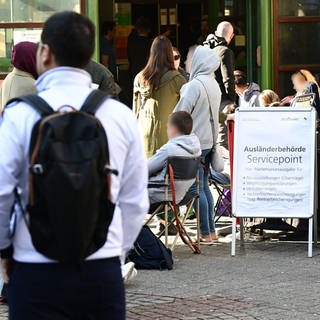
<point x="21" y="80"/>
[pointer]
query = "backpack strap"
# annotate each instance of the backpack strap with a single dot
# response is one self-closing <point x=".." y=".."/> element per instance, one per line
<point x="36" y="102"/>
<point x="94" y="101"/>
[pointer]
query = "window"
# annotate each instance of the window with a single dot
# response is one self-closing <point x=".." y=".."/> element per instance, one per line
<point x="294" y="8"/>
<point x="296" y="45"/>
<point x="22" y="20"/>
<point x="33" y="11"/>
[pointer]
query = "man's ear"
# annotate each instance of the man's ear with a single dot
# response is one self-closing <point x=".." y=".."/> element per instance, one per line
<point x="48" y="59"/>
<point x="231" y="37"/>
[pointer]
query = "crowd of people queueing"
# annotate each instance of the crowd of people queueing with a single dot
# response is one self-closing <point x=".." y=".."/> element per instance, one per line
<point x="209" y="89"/>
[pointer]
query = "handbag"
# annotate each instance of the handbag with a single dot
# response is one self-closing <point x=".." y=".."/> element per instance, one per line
<point x="216" y="160"/>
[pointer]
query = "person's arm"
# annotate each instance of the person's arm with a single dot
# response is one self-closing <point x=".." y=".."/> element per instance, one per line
<point x="133" y="197"/>
<point x="158" y="161"/>
<point x="12" y="154"/>
<point x="104" y="53"/>
<point x="188" y="98"/>
<point x="105" y="60"/>
<point x="227" y="69"/>
<point x="109" y="85"/>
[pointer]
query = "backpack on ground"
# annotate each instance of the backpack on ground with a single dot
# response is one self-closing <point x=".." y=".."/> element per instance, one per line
<point x="149" y="252"/>
<point x="69" y="209"/>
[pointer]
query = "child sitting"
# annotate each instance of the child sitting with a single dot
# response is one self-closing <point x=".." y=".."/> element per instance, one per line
<point x="181" y="143"/>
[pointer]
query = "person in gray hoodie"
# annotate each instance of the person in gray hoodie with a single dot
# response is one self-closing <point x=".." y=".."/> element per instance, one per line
<point x="201" y="97"/>
<point x="181" y="143"/>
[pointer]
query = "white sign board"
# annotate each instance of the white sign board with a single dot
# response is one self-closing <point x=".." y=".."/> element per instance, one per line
<point x="27" y="35"/>
<point x="274" y="165"/>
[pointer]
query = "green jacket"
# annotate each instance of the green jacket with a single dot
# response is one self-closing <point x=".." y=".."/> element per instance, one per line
<point x="153" y="107"/>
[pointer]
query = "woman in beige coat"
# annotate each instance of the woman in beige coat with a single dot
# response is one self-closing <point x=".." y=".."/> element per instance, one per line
<point x="20" y="81"/>
<point x="156" y="92"/>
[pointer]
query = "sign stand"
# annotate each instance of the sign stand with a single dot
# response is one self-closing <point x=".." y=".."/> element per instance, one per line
<point x="274" y="173"/>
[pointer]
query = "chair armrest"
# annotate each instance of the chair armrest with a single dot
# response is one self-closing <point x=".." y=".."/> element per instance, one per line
<point x="157" y="184"/>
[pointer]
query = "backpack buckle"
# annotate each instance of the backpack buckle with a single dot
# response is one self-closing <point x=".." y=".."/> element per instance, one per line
<point x="37" y="169"/>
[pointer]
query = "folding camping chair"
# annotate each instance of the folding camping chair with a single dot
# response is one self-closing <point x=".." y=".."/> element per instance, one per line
<point x="179" y="169"/>
<point x="221" y="183"/>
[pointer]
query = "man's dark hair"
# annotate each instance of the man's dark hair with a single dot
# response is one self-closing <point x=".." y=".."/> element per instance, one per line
<point x="240" y="78"/>
<point x="71" y="38"/>
<point x="143" y="25"/>
<point x="107" y="26"/>
<point x="182" y="120"/>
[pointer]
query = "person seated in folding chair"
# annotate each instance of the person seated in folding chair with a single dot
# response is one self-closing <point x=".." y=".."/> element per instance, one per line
<point x="181" y="144"/>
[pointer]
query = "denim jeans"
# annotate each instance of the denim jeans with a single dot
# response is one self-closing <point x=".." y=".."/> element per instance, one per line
<point x="206" y="199"/>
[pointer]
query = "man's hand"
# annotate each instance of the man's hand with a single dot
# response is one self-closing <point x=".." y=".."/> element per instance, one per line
<point x="6" y="265"/>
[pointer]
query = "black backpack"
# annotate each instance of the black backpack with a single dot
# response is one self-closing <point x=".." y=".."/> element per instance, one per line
<point x="149" y="252"/>
<point x="69" y="209"/>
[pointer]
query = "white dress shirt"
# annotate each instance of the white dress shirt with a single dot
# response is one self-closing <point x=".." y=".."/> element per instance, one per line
<point x="69" y="86"/>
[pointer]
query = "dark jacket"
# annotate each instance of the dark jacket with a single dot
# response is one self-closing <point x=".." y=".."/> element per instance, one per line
<point x="102" y="77"/>
<point x="138" y="52"/>
<point x="313" y="88"/>
<point x="224" y="75"/>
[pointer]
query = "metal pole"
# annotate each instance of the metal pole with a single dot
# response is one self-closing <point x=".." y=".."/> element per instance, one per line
<point x="166" y="212"/>
<point x="316" y="190"/>
<point x="266" y="44"/>
<point x="241" y="233"/>
<point x="92" y="9"/>
<point x="198" y="209"/>
<point x="310" y="238"/>
<point x="234" y="232"/>
<point x="250" y="49"/>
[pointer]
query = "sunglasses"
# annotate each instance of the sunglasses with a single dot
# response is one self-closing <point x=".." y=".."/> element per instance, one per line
<point x="176" y="57"/>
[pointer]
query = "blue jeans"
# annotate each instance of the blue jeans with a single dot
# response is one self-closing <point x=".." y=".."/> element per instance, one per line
<point x="206" y="199"/>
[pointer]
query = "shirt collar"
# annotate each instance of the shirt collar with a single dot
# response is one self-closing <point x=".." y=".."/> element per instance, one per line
<point x="63" y="76"/>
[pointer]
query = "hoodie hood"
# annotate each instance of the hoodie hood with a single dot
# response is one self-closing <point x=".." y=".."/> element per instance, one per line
<point x="189" y="143"/>
<point x="215" y="41"/>
<point x="252" y="89"/>
<point x="204" y="62"/>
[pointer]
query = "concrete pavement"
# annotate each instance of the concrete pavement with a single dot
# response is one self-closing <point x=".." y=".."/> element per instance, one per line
<point x="266" y="280"/>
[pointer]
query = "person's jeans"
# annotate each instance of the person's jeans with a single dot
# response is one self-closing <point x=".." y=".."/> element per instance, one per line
<point x="206" y="200"/>
<point x="53" y="291"/>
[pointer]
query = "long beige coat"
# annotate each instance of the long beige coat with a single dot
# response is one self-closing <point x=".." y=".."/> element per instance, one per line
<point x="16" y="84"/>
<point x="153" y="107"/>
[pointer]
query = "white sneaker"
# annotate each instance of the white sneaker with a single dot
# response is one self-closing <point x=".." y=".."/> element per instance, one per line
<point x="128" y="272"/>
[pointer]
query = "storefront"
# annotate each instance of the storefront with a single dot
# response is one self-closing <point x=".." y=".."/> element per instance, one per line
<point x="273" y="38"/>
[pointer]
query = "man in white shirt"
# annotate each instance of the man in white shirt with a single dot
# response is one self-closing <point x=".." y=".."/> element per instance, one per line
<point x="38" y="287"/>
